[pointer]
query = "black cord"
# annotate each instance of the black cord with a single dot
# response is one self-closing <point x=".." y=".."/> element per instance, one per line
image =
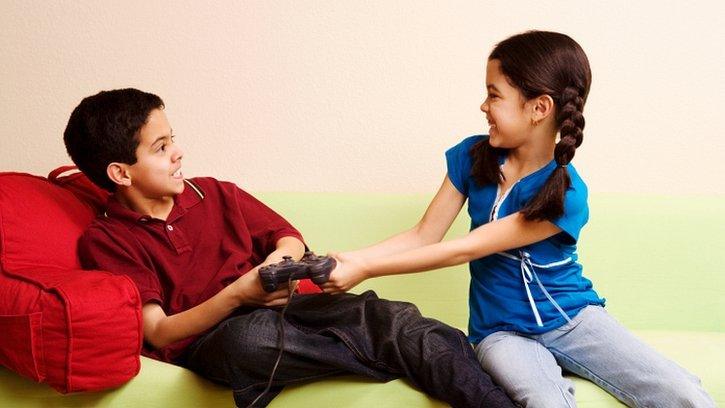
<point x="281" y="346"/>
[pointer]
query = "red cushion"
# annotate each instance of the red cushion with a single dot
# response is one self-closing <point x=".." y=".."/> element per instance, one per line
<point x="76" y="330"/>
<point x="41" y="223"/>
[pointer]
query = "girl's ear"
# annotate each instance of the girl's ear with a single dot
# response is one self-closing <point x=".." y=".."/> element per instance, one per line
<point x="543" y="107"/>
<point x="119" y="174"/>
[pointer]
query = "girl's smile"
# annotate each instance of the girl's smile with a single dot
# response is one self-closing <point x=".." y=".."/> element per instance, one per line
<point x="505" y="109"/>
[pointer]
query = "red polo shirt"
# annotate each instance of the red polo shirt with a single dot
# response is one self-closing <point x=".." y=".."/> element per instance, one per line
<point x="215" y="233"/>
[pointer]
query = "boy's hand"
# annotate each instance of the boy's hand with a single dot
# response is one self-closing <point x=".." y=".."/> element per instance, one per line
<point x="248" y="288"/>
<point x="349" y="272"/>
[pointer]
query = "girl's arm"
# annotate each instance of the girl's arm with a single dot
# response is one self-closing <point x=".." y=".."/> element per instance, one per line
<point x="436" y="221"/>
<point x="506" y="233"/>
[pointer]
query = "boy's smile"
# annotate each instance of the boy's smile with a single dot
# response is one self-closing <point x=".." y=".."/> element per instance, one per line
<point x="157" y="171"/>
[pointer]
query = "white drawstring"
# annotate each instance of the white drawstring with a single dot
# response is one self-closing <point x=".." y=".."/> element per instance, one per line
<point x="528" y="274"/>
<point x="526" y="277"/>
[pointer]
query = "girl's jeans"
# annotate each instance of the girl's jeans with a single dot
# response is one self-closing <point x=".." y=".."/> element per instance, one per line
<point x="594" y="346"/>
<point x="327" y="335"/>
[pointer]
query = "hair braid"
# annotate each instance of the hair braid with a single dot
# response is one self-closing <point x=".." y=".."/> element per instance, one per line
<point x="548" y="204"/>
<point x="571" y="118"/>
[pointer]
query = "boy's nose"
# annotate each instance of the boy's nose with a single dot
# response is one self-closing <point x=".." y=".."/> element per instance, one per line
<point x="178" y="153"/>
<point x="484" y="107"/>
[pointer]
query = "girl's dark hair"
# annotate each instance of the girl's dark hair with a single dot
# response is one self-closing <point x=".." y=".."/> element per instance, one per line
<point x="104" y="128"/>
<point x="542" y="63"/>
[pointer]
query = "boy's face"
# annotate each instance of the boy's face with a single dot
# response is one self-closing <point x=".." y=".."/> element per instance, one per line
<point x="157" y="171"/>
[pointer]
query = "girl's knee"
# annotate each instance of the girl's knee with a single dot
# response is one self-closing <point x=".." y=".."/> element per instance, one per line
<point x="682" y="392"/>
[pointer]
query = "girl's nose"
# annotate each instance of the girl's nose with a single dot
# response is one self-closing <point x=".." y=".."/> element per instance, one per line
<point x="484" y="106"/>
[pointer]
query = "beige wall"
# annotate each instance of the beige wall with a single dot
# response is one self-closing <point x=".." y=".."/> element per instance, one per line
<point x="364" y="95"/>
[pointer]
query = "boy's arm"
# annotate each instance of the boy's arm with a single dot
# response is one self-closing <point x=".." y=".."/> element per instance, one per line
<point x="286" y="246"/>
<point x="161" y="330"/>
<point x="266" y="227"/>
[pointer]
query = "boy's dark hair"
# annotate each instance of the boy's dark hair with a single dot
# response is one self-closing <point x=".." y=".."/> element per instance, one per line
<point x="542" y="63"/>
<point x="104" y="128"/>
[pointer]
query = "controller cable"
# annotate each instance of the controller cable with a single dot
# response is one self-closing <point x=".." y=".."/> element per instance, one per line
<point x="281" y="346"/>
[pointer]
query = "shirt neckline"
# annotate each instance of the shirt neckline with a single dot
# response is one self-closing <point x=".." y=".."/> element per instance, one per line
<point x="187" y="199"/>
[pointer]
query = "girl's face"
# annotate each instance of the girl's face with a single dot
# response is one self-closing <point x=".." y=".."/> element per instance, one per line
<point x="507" y="111"/>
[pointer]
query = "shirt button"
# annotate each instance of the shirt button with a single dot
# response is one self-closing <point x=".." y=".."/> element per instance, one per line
<point x="169" y="227"/>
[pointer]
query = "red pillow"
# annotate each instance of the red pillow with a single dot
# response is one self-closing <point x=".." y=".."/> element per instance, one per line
<point x="76" y="330"/>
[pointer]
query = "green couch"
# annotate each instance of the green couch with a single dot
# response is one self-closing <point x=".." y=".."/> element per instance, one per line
<point x="654" y="258"/>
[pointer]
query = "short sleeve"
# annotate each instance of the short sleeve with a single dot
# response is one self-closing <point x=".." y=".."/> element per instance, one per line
<point x="265" y="226"/>
<point x="576" y="209"/>
<point x="458" y="163"/>
<point x="98" y="250"/>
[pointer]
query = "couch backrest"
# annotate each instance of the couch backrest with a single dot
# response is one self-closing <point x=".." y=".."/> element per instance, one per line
<point x="41" y="219"/>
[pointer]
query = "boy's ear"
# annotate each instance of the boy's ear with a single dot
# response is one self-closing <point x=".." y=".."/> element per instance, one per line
<point x="543" y="107"/>
<point x="119" y="174"/>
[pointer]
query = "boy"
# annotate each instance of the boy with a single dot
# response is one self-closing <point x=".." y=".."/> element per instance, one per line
<point x="194" y="247"/>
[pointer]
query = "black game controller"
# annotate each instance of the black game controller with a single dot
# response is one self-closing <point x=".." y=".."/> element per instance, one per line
<point x="316" y="268"/>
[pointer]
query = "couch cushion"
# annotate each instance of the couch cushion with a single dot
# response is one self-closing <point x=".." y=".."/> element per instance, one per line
<point x="160" y="384"/>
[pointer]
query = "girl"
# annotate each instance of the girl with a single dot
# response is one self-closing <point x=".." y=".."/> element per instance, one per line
<point x="532" y="312"/>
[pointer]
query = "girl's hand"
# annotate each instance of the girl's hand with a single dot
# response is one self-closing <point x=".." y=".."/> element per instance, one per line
<point x="347" y="274"/>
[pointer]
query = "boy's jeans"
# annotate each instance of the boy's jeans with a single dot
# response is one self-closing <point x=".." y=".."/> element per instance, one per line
<point x="327" y="335"/>
<point x="594" y="346"/>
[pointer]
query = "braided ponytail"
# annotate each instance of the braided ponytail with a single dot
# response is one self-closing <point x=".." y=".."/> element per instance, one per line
<point x="548" y="204"/>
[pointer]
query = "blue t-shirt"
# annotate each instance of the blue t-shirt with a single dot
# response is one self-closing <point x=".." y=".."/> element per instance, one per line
<point x="511" y="290"/>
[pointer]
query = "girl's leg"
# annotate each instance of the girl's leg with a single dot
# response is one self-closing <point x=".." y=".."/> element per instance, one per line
<point x="595" y="346"/>
<point x="526" y="370"/>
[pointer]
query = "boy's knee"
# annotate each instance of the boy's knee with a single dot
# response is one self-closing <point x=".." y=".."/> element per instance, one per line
<point x="251" y="334"/>
<point x="393" y="308"/>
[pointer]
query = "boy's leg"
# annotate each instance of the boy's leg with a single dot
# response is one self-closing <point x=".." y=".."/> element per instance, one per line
<point x="242" y="350"/>
<point x="395" y="338"/>
<point x="598" y="348"/>
<point x="526" y="370"/>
